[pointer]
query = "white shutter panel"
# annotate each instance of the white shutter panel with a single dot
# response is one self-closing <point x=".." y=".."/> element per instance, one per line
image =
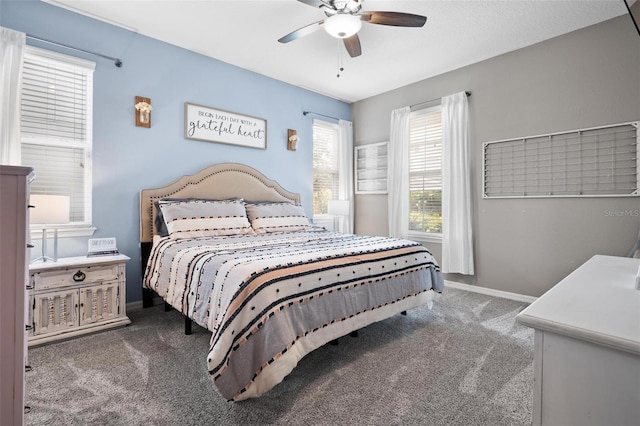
<point x="600" y="161"/>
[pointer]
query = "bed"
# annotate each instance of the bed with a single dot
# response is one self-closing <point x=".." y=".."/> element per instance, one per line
<point x="277" y="289"/>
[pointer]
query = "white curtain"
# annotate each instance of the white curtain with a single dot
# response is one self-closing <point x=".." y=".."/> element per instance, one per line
<point x="345" y="171"/>
<point x="457" y="235"/>
<point x="399" y="173"/>
<point x="11" y="56"/>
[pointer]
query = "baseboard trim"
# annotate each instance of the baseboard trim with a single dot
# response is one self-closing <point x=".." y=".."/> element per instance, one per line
<point x="134" y="306"/>
<point x="138" y="306"/>
<point x="491" y="292"/>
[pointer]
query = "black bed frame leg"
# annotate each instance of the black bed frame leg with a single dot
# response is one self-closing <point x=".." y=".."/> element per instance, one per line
<point x="403" y="313"/>
<point x="147" y="298"/>
<point x="187" y="326"/>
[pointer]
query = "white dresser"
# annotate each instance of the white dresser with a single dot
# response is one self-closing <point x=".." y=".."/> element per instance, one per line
<point x="587" y="346"/>
<point x="76" y="295"/>
<point x="14" y="195"/>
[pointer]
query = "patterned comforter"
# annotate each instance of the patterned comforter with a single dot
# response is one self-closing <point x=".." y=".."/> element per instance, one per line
<point x="270" y="299"/>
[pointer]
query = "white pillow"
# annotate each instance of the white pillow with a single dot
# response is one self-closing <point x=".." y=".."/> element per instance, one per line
<point x="277" y="217"/>
<point x="205" y="218"/>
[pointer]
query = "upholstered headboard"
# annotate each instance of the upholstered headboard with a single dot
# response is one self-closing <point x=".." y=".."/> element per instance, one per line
<point x="225" y="180"/>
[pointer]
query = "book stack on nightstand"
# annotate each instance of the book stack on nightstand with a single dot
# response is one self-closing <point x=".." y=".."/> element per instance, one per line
<point x="76" y="295"/>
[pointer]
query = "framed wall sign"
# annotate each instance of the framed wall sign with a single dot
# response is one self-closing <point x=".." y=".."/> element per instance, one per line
<point x="215" y="125"/>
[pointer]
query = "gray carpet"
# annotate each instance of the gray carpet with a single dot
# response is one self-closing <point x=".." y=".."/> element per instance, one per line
<point x="466" y="362"/>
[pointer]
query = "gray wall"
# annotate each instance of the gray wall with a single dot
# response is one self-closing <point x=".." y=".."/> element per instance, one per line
<point x="586" y="78"/>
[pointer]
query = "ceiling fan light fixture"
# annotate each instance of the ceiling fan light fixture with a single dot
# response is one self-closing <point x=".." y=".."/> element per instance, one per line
<point x="342" y="25"/>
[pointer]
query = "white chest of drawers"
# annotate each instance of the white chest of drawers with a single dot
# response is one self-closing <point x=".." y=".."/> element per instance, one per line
<point x="76" y="295"/>
<point x="587" y="346"/>
<point x="14" y="222"/>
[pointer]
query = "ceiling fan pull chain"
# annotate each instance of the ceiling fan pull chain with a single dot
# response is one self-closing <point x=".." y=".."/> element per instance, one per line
<point x="340" y="67"/>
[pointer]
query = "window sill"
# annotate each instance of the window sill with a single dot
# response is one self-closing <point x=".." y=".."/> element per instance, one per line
<point x="423" y="237"/>
<point x="81" y="231"/>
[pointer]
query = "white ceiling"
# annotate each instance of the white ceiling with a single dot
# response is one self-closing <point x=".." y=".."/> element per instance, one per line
<point x="245" y="33"/>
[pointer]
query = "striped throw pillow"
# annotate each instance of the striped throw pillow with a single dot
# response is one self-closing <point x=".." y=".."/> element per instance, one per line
<point x="277" y="217"/>
<point x="205" y="218"/>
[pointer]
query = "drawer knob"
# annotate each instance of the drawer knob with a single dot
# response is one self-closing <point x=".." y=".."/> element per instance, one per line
<point x="79" y="276"/>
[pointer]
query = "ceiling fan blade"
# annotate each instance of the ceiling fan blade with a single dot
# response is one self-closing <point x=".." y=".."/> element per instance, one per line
<point x="301" y="32"/>
<point x="353" y="45"/>
<point x="396" y="19"/>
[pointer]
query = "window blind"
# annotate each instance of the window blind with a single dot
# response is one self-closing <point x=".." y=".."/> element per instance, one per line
<point x="599" y="161"/>
<point x="56" y="117"/>
<point x="325" y="165"/>
<point x="59" y="171"/>
<point x="54" y="102"/>
<point x="425" y="170"/>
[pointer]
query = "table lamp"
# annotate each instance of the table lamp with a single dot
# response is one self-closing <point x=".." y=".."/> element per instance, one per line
<point x="49" y="211"/>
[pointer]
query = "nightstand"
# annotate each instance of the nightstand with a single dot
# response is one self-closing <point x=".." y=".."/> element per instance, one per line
<point x="75" y="296"/>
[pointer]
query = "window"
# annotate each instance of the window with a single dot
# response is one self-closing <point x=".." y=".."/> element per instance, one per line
<point x="325" y="165"/>
<point x="56" y="126"/>
<point x="425" y="171"/>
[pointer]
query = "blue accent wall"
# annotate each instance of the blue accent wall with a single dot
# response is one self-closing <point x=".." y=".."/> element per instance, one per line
<point x="127" y="158"/>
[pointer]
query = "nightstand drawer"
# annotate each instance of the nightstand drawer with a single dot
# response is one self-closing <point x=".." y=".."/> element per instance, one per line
<point x="74" y="276"/>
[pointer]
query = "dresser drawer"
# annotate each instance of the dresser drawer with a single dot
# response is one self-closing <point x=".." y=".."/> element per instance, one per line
<point x="74" y="276"/>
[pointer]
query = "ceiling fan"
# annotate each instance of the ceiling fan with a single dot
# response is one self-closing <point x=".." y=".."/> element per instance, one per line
<point x="344" y="20"/>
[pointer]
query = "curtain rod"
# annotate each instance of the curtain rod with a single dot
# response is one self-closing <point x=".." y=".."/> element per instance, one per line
<point x="321" y="115"/>
<point x="117" y="62"/>
<point x="433" y="100"/>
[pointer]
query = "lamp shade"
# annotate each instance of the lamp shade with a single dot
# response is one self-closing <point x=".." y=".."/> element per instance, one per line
<point x="338" y="207"/>
<point x="342" y="25"/>
<point x="49" y="209"/>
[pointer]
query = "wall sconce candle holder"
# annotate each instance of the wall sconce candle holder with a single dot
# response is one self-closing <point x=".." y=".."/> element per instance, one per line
<point x="143" y="111"/>
<point x="292" y="139"/>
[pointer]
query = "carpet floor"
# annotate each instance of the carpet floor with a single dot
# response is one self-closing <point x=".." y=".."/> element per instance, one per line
<point x="465" y="362"/>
